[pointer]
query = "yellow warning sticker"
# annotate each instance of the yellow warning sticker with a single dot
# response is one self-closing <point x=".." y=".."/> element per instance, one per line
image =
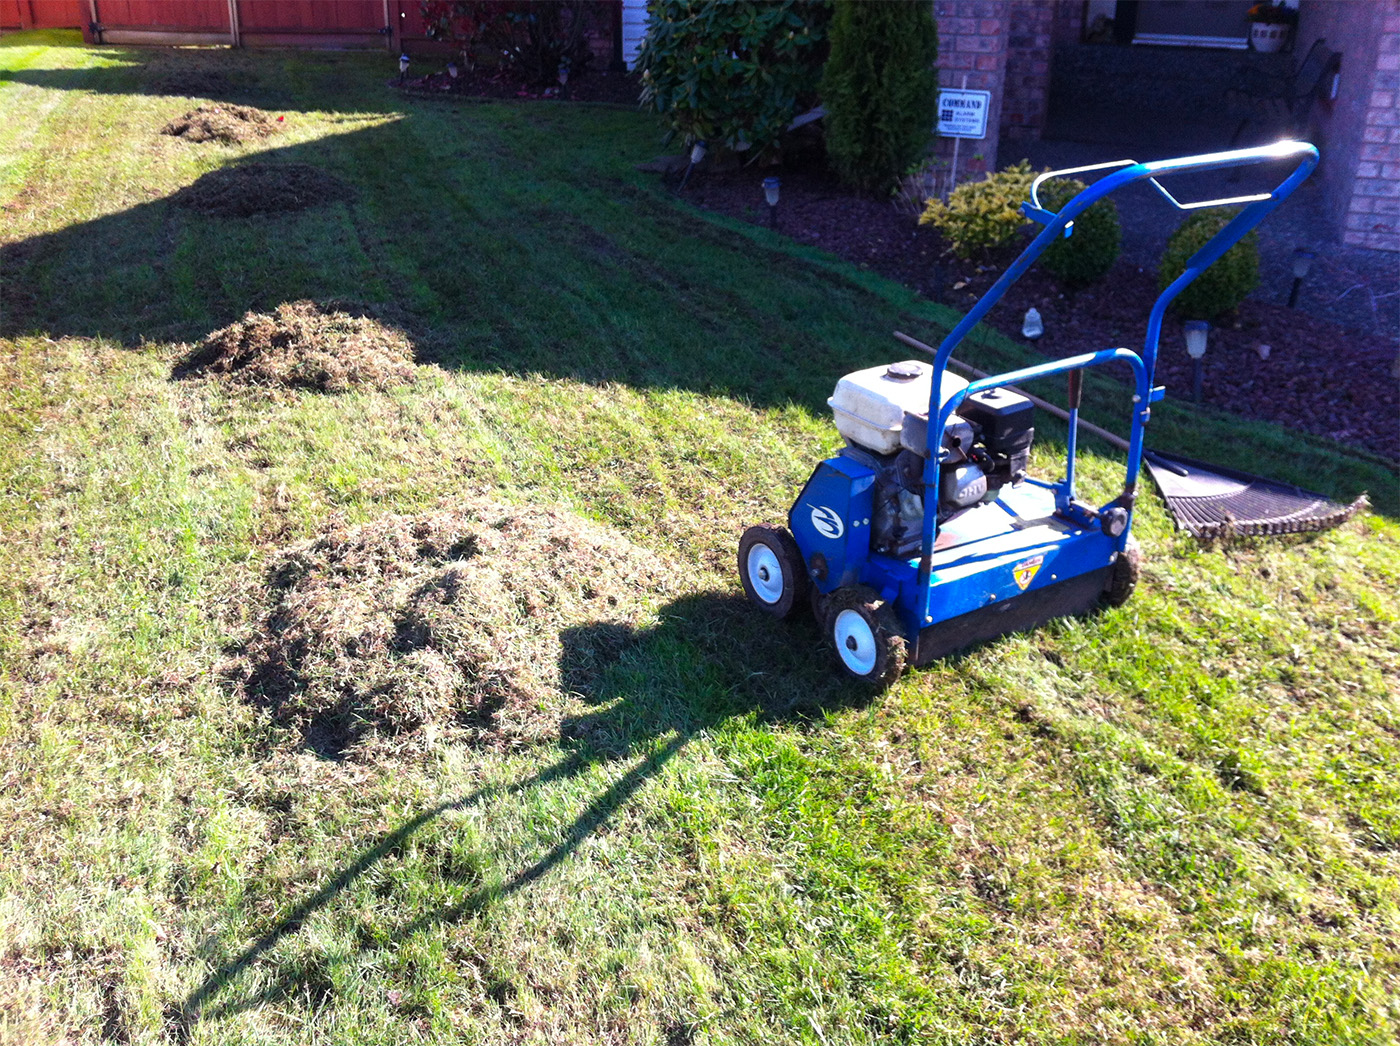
<point x="1024" y="572"/>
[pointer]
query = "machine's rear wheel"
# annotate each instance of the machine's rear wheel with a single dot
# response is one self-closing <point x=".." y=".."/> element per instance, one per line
<point x="772" y="571"/>
<point x="867" y="637"/>
<point x="1124" y="577"/>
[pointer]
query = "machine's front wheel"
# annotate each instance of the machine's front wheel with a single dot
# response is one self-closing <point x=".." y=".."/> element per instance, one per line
<point x="867" y="637"/>
<point x="772" y="571"/>
<point x="1124" y="576"/>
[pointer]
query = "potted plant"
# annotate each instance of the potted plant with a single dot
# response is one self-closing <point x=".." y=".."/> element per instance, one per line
<point x="1270" y="23"/>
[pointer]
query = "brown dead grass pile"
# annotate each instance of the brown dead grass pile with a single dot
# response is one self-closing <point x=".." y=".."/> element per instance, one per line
<point x="230" y="124"/>
<point x="330" y="346"/>
<point x="246" y="189"/>
<point x="475" y="622"/>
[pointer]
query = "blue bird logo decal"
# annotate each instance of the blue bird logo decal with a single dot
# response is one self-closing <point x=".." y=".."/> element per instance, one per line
<point x="827" y="522"/>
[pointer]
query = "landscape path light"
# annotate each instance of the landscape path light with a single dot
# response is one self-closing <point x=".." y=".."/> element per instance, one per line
<point x="772" y="186"/>
<point x="1032" y="326"/>
<point x="1197" y="331"/>
<point x="452" y="69"/>
<point x="1302" y="262"/>
<point x="697" y="153"/>
<point x="403" y="65"/>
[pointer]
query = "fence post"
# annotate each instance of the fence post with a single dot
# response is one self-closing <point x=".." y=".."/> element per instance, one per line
<point x="234" y="31"/>
<point x="392" y="18"/>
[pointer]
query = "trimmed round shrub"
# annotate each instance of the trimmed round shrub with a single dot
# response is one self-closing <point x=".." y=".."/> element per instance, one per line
<point x="880" y="89"/>
<point x="982" y="216"/>
<point x="1225" y="283"/>
<point x="1088" y="254"/>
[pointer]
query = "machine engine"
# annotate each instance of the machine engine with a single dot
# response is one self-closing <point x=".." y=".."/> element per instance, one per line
<point x="883" y="414"/>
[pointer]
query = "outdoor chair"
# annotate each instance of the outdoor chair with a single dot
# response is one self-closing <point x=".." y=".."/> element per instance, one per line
<point x="1284" y="98"/>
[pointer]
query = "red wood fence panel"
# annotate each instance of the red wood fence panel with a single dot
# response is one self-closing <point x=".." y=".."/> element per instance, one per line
<point x="188" y="15"/>
<point x="326" y="16"/>
<point x="42" y="14"/>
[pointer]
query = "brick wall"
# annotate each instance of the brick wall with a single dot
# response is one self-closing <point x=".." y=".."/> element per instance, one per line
<point x="1359" y="131"/>
<point x="1027" y="80"/>
<point x="972" y="38"/>
<point x="1373" y="216"/>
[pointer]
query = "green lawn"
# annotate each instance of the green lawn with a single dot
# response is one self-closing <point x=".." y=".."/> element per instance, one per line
<point x="1175" y="822"/>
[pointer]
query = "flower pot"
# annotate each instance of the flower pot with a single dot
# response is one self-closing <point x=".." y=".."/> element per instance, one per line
<point x="1267" y="37"/>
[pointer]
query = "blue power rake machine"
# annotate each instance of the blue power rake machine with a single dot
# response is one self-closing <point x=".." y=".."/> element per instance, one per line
<point x="925" y="533"/>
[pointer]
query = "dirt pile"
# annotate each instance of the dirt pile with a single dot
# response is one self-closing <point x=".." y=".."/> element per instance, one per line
<point x="247" y="189"/>
<point x="456" y="621"/>
<point x="230" y="124"/>
<point x="328" y="346"/>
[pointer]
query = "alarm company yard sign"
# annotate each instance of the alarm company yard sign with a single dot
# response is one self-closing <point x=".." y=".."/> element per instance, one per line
<point x="963" y="113"/>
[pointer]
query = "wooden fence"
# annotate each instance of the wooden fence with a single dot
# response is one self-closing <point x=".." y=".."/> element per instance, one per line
<point x="390" y="24"/>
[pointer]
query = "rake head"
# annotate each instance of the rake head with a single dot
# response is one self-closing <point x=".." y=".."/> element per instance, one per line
<point x="1208" y="501"/>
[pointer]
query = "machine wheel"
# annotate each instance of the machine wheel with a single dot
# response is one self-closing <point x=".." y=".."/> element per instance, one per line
<point x="772" y="571"/>
<point x="867" y="637"/>
<point x="1124" y="576"/>
<point x="821" y="603"/>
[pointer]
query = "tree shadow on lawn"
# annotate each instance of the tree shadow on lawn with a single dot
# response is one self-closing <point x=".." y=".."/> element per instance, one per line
<point x="185" y="75"/>
<point x="687" y="675"/>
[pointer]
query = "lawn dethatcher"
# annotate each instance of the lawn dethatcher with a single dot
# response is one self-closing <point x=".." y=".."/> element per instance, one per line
<point x="925" y="534"/>
<point x="1209" y="501"/>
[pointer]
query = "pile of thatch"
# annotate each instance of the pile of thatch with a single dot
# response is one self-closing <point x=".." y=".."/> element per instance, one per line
<point x="230" y="124"/>
<point x="476" y="622"/>
<point x="331" y="346"/>
<point x="246" y="189"/>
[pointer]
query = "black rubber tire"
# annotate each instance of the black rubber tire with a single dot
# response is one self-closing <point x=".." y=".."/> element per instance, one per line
<point x="776" y="549"/>
<point x="1127" y="568"/>
<point x="876" y="658"/>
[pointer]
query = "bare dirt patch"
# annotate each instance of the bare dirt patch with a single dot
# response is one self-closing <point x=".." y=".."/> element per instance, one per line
<point x="247" y="189"/>
<point x="447" y="622"/>
<point x="328" y="346"/>
<point x="230" y="124"/>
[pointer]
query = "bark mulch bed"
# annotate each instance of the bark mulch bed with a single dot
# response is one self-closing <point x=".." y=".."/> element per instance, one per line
<point x="1318" y="377"/>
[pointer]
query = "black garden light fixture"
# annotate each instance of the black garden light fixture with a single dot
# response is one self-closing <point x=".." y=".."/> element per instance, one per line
<point x="1302" y="262"/>
<point x="772" y="186"/>
<point x="403" y="65"/>
<point x="452" y="69"/>
<point x="1197" y="331"/>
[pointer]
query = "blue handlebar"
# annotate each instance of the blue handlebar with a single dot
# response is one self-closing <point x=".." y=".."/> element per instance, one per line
<point x="1058" y="223"/>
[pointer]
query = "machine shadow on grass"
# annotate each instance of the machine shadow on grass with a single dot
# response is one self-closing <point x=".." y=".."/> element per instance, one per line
<point x="711" y="658"/>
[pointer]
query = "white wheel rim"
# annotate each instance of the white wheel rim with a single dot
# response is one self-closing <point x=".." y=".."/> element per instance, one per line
<point x="765" y="574"/>
<point x="855" y="642"/>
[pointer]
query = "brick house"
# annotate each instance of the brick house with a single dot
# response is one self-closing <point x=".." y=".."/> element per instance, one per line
<point x="1032" y="54"/>
<point x="1013" y="48"/>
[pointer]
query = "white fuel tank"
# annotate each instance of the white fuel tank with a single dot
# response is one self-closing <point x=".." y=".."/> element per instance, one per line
<point x="870" y="405"/>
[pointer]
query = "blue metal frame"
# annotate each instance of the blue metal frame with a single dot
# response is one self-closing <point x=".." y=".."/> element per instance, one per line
<point x="1088" y="550"/>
